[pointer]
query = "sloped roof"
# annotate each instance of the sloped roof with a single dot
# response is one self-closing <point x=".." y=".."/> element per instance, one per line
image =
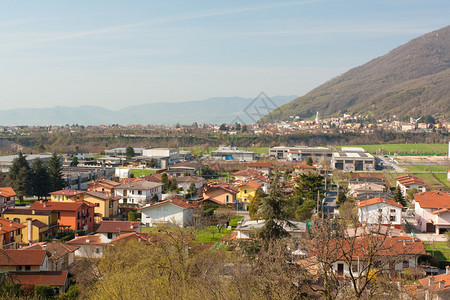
<point x="22" y="257"/>
<point x="176" y="202"/>
<point x="103" y="196"/>
<point x="248" y="173"/>
<point x="251" y="183"/>
<point x="141" y="237"/>
<point x="9" y="225"/>
<point x="38" y="224"/>
<point x="378" y="200"/>
<point x="27" y="211"/>
<point x="138" y="185"/>
<point x="434" y="199"/>
<point x="221" y="185"/>
<point x="60" y="206"/>
<point x="7" y="192"/>
<point x="50" y="278"/>
<point x="409" y="179"/>
<point x="56" y="250"/>
<point x="435" y="282"/>
<point x="260" y="164"/>
<point x="95" y="239"/>
<point x="118" y="226"/>
<point x="67" y="193"/>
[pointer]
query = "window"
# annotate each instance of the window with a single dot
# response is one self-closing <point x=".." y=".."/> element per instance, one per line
<point x="109" y="235"/>
<point x="97" y="250"/>
<point x="228" y="198"/>
<point x="392" y="218"/>
<point x="245" y="191"/>
<point x="17" y="220"/>
<point x="354" y="267"/>
<point x="27" y="268"/>
<point x="139" y="192"/>
<point x="405" y="264"/>
<point x="380" y="210"/>
<point x="392" y="211"/>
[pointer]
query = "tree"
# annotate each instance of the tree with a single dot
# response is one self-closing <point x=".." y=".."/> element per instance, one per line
<point x="398" y="196"/>
<point x="341" y="198"/>
<point x="129" y="152"/>
<point x="20" y="174"/>
<point x="74" y="162"/>
<point x="192" y="191"/>
<point x="223" y="127"/>
<point x="244" y="128"/>
<point x="40" y="179"/>
<point x="255" y="204"/>
<point x="310" y="161"/>
<point x="238" y="126"/>
<point x="165" y="182"/>
<point x="411" y="193"/>
<point x="55" y="172"/>
<point x="173" y="185"/>
<point x="308" y="185"/>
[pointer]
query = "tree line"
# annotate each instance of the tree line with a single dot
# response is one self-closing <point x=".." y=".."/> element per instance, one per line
<point x="39" y="179"/>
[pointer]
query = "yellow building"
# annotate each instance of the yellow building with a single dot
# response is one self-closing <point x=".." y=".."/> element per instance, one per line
<point x="247" y="191"/>
<point x="108" y="205"/>
<point x="67" y="196"/>
<point x="39" y="223"/>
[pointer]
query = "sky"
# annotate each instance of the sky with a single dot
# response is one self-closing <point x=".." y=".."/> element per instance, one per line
<point x="121" y="53"/>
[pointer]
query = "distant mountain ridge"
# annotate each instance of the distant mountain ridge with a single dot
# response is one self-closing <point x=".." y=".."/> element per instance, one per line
<point x="214" y="110"/>
<point x="411" y="80"/>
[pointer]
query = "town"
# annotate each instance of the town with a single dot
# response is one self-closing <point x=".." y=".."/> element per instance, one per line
<point x="335" y="221"/>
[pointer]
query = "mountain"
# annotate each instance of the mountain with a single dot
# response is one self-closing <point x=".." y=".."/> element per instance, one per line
<point x="214" y="110"/>
<point x="411" y="80"/>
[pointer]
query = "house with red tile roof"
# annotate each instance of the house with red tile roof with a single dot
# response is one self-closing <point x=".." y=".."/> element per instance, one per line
<point x="432" y="210"/>
<point x="220" y="192"/>
<point x="7" y="198"/>
<point x="148" y="238"/>
<point x="436" y="287"/>
<point x="407" y="182"/>
<point x="23" y="260"/>
<point x="10" y="234"/>
<point x="74" y="215"/>
<point x="380" y="211"/>
<point x="90" y="246"/>
<point x="262" y="166"/>
<point x="58" y="280"/>
<point x="67" y="195"/>
<point x="172" y="211"/>
<point x="103" y="185"/>
<point x="112" y="229"/>
<point x="61" y="255"/>
<point x="247" y="191"/>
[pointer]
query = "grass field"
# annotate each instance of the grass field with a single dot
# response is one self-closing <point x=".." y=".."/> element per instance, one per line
<point x="440" y="249"/>
<point x="422" y="168"/>
<point x="138" y="172"/>
<point x="411" y="149"/>
<point x="433" y="180"/>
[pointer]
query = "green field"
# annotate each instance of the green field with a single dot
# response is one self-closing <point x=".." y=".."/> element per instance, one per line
<point x="433" y="180"/>
<point x="423" y="168"/>
<point x="140" y="172"/>
<point x="406" y="149"/>
<point x="440" y="250"/>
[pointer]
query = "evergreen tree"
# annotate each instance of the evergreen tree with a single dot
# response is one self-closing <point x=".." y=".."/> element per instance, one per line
<point x="129" y="152"/>
<point x="74" y="162"/>
<point x="57" y="181"/>
<point x="192" y="191"/>
<point x="20" y="174"/>
<point x="307" y="186"/>
<point x="341" y="198"/>
<point x="310" y="161"/>
<point x="255" y="203"/>
<point x="398" y="196"/>
<point x="165" y="182"/>
<point x="40" y="179"/>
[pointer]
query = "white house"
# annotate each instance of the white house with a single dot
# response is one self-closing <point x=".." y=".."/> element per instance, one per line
<point x="432" y="210"/>
<point x="407" y="182"/>
<point x="380" y="211"/>
<point x="113" y="229"/>
<point x="91" y="246"/>
<point x="185" y="182"/>
<point x="173" y="211"/>
<point x="139" y="192"/>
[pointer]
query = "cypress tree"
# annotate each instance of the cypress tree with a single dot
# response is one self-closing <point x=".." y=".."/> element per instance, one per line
<point x="20" y="174"/>
<point x="55" y="172"/>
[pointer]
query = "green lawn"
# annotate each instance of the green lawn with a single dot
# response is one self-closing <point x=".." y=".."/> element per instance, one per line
<point x="440" y="250"/>
<point x="26" y="201"/>
<point x="423" y="168"/>
<point x="438" y="149"/>
<point x="234" y="222"/>
<point x="211" y="234"/>
<point x="259" y="150"/>
<point x="140" y="172"/>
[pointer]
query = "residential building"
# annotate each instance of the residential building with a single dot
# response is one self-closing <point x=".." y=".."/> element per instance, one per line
<point x="261" y="166"/>
<point x="379" y="211"/>
<point x="72" y="215"/>
<point x="172" y="211"/>
<point x="103" y="185"/>
<point x="107" y="205"/>
<point x="365" y="187"/>
<point x="407" y="182"/>
<point x="40" y="224"/>
<point x="90" y="246"/>
<point x="220" y="192"/>
<point x="436" y="287"/>
<point x="23" y="260"/>
<point x="67" y="196"/>
<point x="10" y="234"/>
<point x="185" y="168"/>
<point x="247" y="191"/>
<point x="58" y="280"/>
<point x="61" y="255"/>
<point x="185" y="182"/>
<point x="113" y="229"/>
<point x="139" y="192"/>
<point x="7" y="198"/>
<point x="432" y="211"/>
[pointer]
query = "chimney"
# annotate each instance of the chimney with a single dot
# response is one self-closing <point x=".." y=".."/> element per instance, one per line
<point x="88" y="239"/>
<point x="447" y="270"/>
<point x="29" y="229"/>
<point x="76" y="235"/>
<point x="431" y="281"/>
<point x="11" y="222"/>
<point x="441" y="284"/>
<point x="33" y="212"/>
<point x="45" y="204"/>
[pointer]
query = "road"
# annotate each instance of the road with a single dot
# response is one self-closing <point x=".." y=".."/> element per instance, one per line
<point x="330" y="202"/>
<point x="388" y="165"/>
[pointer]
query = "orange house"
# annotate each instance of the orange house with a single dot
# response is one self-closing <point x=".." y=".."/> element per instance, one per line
<point x="10" y="234"/>
<point x="220" y="192"/>
<point x="74" y="215"/>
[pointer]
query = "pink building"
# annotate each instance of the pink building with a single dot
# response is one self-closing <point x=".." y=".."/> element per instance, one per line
<point x="433" y="211"/>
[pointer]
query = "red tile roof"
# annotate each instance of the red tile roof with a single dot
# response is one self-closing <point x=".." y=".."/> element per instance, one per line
<point x="101" y="195"/>
<point x="118" y="226"/>
<point x="409" y="179"/>
<point x="95" y="239"/>
<point x="141" y="237"/>
<point x="56" y="250"/>
<point x="38" y="224"/>
<point x="9" y="225"/>
<point x="67" y="193"/>
<point x="221" y="185"/>
<point x="7" y="192"/>
<point x="249" y="173"/>
<point x="22" y="257"/>
<point x="50" y="278"/>
<point x="376" y="201"/>
<point x="252" y="184"/>
<point x="434" y="286"/>
<point x="60" y="206"/>
<point x="260" y="164"/>
<point x="304" y="166"/>
<point x="434" y="199"/>
<point x="27" y="211"/>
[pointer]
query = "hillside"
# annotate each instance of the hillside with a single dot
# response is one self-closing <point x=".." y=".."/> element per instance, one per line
<point x="411" y="80"/>
<point x="214" y="110"/>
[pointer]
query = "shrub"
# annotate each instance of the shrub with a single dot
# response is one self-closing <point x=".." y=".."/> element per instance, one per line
<point x="43" y="292"/>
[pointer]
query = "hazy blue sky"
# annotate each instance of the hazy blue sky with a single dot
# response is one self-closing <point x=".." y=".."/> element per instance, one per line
<point x="120" y="53"/>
